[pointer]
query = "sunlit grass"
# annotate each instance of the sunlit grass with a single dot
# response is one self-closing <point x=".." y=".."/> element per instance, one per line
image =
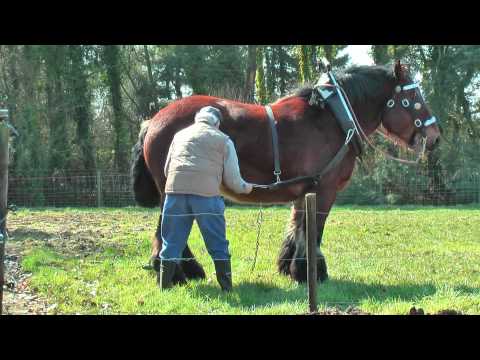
<point x="381" y="260"/>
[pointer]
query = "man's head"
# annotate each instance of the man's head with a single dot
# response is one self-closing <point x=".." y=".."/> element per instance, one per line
<point x="210" y="115"/>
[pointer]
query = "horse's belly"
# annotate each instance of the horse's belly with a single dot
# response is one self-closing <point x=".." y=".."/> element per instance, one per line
<point x="259" y="196"/>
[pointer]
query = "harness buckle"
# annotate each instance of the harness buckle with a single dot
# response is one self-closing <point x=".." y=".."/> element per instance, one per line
<point x="277" y="174"/>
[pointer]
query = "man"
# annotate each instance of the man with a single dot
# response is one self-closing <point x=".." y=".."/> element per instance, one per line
<point x="200" y="158"/>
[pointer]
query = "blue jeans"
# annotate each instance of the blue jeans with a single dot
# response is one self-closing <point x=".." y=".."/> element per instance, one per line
<point x="179" y="211"/>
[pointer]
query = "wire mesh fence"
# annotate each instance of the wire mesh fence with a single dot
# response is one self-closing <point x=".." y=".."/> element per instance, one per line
<point x="113" y="189"/>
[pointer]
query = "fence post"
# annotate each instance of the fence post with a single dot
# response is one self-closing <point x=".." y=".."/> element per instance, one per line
<point x="99" y="189"/>
<point x="3" y="202"/>
<point x="478" y="186"/>
<point x="311" y="241"/>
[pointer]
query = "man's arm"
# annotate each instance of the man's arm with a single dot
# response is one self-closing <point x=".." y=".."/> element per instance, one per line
<point x="231" y="171"/>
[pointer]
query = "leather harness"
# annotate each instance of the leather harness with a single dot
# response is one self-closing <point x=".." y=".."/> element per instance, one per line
<point x="334" y="100"/>
<point x="338" y="106"/>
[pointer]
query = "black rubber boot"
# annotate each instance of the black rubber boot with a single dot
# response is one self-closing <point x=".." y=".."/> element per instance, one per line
<point x="165" y="275"/>
<point x="223" y="269"/>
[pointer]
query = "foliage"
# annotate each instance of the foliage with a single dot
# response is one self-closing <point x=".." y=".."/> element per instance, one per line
<point x="79" y="107"/>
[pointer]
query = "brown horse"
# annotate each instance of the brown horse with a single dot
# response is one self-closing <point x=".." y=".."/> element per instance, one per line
<point x="309" y="137"/>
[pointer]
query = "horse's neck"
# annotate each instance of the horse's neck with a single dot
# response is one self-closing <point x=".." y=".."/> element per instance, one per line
<point x="369" y="114"/>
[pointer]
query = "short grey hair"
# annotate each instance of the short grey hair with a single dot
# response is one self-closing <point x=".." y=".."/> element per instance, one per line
<point x="210" y="115"/>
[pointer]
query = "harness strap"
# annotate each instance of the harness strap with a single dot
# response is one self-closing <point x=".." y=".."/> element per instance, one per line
<point x="315" y="179"/>
<point x="276" y="154"/>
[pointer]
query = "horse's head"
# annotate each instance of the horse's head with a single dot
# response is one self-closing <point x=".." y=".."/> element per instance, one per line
<point x="407" y="117"/>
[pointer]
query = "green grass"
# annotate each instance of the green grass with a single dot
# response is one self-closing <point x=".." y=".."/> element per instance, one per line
<point x="382" y="260"/>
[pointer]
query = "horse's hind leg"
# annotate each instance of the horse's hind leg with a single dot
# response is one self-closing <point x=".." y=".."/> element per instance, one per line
<point x="191" y="267"/>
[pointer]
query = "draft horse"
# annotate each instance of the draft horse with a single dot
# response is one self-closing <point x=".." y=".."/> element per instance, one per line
<point x="309" y="136"/>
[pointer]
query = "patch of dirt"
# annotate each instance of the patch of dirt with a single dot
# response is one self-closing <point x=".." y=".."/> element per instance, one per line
<point x="18" y="298"/>
<point x="336" y="311"/>
<point x="68" y="235"/>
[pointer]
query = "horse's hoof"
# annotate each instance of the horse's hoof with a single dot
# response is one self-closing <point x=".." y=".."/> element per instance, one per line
<point x="322" y="273"/>
<point x="193" y="270"/>
<point x="323" y="277"/>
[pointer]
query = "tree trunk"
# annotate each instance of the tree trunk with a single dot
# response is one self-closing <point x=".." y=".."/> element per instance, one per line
<point x="55" y="71"/>
<point x="304" y="62"/>
<point x="152" y="87"/>
<point x="380" y="54"/>
<point x="261" y="90"/>
<point x="282" y="70"/>
<point x="177" y="83"/>
<point x="111" y="59"/>
<point x="248" y="92"/>
<point x="80" y="97"/>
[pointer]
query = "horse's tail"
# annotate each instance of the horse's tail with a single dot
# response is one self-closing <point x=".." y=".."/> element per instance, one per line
<point x="144" y="188"/>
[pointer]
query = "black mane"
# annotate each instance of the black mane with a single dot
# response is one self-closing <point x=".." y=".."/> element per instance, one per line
<point x="361" y="83"/>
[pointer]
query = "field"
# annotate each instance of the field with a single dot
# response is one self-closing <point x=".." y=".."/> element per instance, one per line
<point x="381" y="261"/>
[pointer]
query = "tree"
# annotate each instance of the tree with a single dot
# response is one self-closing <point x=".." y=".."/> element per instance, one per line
<point x="248" y="91"/>
<point x="80" y="100"/>
<point x="380" y="54"/>
<point x="261" y="89"/>
<point x="55" y="68"/>
<point x="111" y="57"/>
<point x="305" y="55"/>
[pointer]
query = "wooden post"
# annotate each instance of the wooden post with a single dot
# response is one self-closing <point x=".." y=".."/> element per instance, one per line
<point x="311" y="245"/>
<point x="99" y="189"/>
<point x="3" y="202"/>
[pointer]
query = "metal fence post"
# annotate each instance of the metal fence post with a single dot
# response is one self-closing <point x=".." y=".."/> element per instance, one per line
<point x="4" y="132"/>
<point x="99" y="189"/>
<point x="311" y="236"/>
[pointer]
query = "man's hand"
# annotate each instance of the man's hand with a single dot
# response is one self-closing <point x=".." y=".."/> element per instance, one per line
<point x="248" y="188"/>
<point x="265" y="187"/>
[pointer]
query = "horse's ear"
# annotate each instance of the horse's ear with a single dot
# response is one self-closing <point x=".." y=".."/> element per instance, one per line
<point x="399" y="71"/>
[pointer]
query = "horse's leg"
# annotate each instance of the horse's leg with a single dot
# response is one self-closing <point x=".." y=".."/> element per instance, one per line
<point x="295" y="231"/>
<point x="157" y="240"/>
<point x="292" y="260"/>
<point x="191" y="267"/>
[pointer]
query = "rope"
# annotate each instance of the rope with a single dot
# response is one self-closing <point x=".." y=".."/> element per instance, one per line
<point x="259" y="223"/>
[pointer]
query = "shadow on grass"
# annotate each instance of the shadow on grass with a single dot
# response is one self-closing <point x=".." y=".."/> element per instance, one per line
<point x="18" y="235"/>
<point x="334" y="293"/>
